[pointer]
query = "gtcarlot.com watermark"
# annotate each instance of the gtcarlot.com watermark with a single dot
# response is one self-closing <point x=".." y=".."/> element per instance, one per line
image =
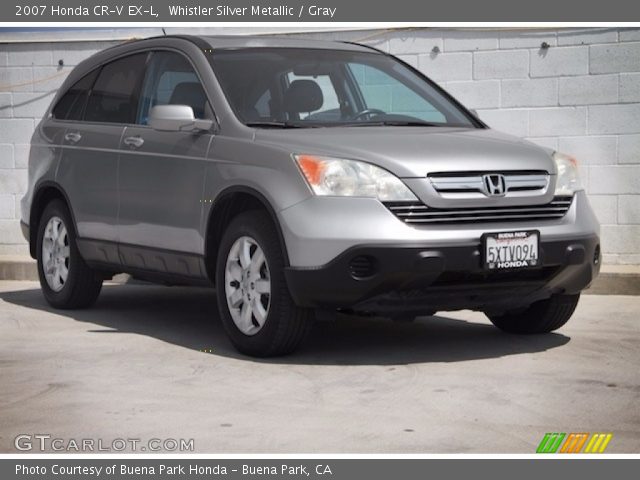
<point x="48" y="443"/>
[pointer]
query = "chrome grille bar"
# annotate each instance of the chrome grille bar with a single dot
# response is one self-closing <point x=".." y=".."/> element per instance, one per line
<point x="418" y="213"/>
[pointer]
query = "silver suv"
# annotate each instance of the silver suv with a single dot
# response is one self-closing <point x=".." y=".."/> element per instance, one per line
<point x="299" y="176"/>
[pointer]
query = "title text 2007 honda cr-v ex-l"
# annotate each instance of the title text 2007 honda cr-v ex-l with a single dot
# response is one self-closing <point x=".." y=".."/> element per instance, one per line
<point x="299" y="176"/>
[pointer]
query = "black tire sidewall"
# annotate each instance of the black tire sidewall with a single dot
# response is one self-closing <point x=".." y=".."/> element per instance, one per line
<point x="258" y="226"/>
<point x="543" y="316"/>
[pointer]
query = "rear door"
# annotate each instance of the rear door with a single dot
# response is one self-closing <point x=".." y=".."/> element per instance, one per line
<point x="161" y="174"/>
<point x="96" y="117"/>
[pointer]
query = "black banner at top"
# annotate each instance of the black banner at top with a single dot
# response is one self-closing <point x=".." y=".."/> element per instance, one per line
<point x="138" y="11"/>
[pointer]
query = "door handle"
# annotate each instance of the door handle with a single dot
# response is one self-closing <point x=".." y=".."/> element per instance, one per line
<point x="73" y="137"/>
<point x="134" y="142"/>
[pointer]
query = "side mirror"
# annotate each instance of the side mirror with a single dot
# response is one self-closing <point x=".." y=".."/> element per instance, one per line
<point x="474" y="112"/>
<point x="176" y="118"/>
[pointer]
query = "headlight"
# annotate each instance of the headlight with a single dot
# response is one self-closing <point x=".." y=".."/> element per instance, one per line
<point x="349" y="178"/>
<point x="567" y="181"/>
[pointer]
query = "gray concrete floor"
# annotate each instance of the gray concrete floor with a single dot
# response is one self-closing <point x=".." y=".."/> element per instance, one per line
<point x="138" y="365"/>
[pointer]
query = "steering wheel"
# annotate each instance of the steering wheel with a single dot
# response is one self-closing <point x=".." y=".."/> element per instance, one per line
<point x="368" y="111"/>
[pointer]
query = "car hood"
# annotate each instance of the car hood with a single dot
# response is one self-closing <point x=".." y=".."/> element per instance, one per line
<point x="413" y="152"/>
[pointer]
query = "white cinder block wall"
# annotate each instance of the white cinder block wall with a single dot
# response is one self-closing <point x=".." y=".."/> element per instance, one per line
<point x="581" y="95"/>
<point x="29" y="77"/>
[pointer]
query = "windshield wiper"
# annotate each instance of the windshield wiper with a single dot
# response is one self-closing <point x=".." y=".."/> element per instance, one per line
<point x="378" y="123"/>
<point x="394" y="123"/>
<point x="274" y="125"/>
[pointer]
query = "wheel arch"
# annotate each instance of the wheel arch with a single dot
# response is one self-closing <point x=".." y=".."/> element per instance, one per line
<point x="45" y="193"/>
<point x="228" y="204"/>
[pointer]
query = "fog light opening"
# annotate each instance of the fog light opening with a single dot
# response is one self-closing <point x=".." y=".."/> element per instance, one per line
<point x="596" y="255"/>
<point x="362" y="267"/>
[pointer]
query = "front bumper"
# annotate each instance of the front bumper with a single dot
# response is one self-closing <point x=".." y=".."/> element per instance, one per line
<point x="429" y="268"/>
<point x="414" y="278"/>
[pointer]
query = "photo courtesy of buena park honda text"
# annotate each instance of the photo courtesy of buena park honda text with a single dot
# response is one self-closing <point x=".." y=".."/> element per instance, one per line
<point x="291" y="239"/>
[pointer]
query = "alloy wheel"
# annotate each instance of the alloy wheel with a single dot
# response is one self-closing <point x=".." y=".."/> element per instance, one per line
<point x="247" y="285"/>
<point x="55" y="254"/>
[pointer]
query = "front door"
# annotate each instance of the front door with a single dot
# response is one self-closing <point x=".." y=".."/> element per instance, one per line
<point x="161" y="174"/>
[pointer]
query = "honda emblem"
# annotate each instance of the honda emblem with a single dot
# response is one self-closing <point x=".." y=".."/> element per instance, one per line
<point x="494" y="185"/>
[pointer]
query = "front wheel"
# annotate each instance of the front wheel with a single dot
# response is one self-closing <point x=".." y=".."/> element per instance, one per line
<point x="67" y="282"/>
<point x="541" y="317"/>
<point x="255" y="306"/>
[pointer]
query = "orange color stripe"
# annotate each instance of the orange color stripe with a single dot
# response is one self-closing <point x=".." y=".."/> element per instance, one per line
<point x="571" y="439"/>
<point x="581" y="442"/>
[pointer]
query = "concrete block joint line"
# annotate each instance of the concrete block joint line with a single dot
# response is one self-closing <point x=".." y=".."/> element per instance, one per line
<point x="572" y="89"/>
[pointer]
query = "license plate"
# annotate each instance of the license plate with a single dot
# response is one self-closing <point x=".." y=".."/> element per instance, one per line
<point x="508" y="250"/>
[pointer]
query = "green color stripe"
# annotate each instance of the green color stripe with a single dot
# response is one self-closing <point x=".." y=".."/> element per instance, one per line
<point x="557" y="444"/>
<point x="550" y="442"/>
<point x="543" y="443"/>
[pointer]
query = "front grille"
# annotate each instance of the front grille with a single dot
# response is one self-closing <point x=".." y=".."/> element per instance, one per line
<point x="515" y="183"/>
<point x="417" y="213"/>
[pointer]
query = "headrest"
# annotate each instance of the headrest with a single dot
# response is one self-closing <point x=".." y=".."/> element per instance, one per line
<point x="303" y="96"/>
<point x="192" y="94"/>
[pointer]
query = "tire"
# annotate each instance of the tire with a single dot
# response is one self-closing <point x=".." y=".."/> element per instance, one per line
<point x="275" y="325"/>
<point x="543" y="316"/>
<point x="81" y="286"/>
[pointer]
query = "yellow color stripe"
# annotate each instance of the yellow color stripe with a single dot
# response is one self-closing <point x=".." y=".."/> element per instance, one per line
<point x="598" y="442"/>
<point x="590" y="444"/>
<point x="606" y="442"/>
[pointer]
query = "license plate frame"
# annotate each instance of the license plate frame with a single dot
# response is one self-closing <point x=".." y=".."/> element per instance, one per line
<point x="495" y="261"/>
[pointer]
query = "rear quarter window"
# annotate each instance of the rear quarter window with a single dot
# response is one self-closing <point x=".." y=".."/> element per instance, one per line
<point x="113" y="98"/>
<point x="71" y="105"/>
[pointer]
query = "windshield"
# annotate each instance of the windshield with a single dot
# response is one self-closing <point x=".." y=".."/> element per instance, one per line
<point x="301" y="87"/>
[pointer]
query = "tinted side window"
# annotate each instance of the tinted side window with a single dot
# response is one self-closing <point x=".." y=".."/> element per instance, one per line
<point x="114" y="96"/>
<point x="71" y="105"/>
<point x="171" y="80"/>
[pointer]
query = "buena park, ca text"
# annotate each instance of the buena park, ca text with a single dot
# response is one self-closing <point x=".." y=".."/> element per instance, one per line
<point x="172" y="470"/>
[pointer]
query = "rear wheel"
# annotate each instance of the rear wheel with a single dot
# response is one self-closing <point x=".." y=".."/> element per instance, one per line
<point x="256" y="308"/>
<point x="66" y="280"/>
<point x="541" y="317"/>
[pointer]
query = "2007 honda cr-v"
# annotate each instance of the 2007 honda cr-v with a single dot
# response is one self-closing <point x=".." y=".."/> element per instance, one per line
<point x="297" y="176"/>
